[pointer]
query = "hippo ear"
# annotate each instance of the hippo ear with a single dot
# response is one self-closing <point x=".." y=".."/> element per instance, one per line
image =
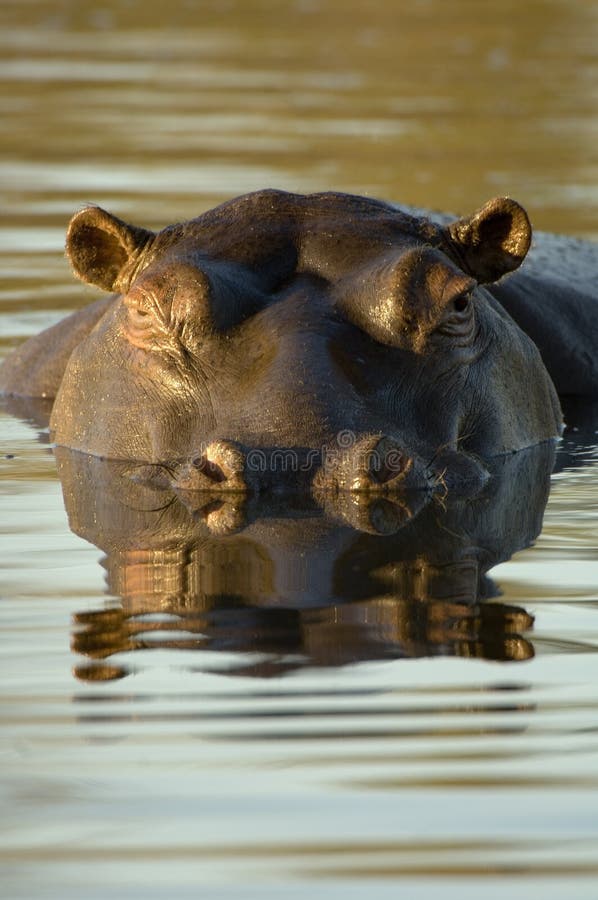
<point x="102" y="248"/>
<point x="493" y="241"/>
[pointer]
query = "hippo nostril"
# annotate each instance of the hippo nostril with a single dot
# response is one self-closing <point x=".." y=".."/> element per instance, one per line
<point x="221" y="467"/>
<point x="209" y="469"/>
<point x="375" y="464"/>
<point x="387" y="461"/>
<point x="381" y="470"/>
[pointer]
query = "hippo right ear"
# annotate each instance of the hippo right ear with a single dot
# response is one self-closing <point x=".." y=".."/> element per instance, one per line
<point x="104" y="250"/>
<point x="493" y="241"/>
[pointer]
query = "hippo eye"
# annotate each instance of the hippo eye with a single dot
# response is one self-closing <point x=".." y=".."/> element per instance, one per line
<point x="138" y="319"/>
<point x="458" y="320"/>
<point x="138" y="316"/>
<point x="461" y="302"/>
<point x="141" y="323"/>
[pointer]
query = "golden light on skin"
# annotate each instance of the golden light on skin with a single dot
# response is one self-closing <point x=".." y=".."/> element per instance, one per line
<point x="402" y="300"/>
<point x="441" y="295"/>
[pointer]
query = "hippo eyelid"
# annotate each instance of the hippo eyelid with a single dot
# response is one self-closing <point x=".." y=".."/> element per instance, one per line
<point x="146" y="304"/>
<point x="459" y="320"/>
<point x="457" y="297"/>
<point x="146" y="326"/>
<point x="138" y="312"/>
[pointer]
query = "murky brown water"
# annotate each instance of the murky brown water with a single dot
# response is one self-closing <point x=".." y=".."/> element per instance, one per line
<point x="291" y="713"/>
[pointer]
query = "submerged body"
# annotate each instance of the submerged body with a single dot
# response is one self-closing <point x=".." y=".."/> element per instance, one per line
<point x="325" y="340"/>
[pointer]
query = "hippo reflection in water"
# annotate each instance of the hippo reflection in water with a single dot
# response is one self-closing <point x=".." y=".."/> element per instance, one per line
<point x="294" y="585"/>
<point x="325" y="343"/>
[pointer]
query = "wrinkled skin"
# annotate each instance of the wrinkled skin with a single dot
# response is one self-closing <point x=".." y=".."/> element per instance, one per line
<point x="323" y="342"/>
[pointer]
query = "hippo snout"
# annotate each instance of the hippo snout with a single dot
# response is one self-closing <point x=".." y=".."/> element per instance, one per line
<point x="371" y="476"/>
<point x="371" y="464"/>
<point x="220" y="467"/>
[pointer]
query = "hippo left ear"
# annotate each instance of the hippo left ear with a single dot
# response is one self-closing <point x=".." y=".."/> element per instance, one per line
<point x="493" y="241"/>
<point x="102" y="249"/>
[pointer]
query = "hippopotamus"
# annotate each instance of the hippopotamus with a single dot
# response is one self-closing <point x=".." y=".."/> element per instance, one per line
<point x="325" y="342"/>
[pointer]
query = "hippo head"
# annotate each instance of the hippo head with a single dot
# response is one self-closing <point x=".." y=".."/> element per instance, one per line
<point x="325" y="340"/>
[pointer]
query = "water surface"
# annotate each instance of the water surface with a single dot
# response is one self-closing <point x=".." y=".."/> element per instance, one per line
<point x="236" y="719"/>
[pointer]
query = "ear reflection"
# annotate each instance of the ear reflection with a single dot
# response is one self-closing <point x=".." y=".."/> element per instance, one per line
<point x="293" y="584"/>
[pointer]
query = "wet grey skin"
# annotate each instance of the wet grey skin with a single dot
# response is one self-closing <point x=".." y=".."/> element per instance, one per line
<point x="321" y="343"/>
